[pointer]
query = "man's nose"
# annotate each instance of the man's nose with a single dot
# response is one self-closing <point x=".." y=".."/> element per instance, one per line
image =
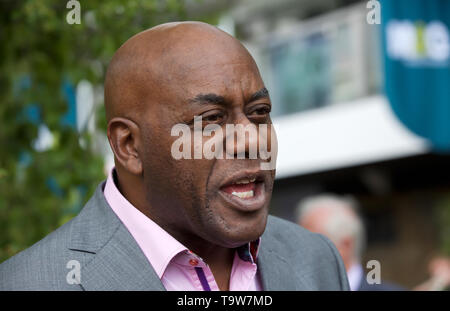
<point x="242" y="139"/>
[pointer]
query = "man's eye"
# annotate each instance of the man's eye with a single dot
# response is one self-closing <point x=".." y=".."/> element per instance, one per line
<point x="213" y="118"/>
<point x="262" y="111"/>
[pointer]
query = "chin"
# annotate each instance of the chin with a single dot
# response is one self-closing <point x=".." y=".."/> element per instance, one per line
<point x="236" y="232"/>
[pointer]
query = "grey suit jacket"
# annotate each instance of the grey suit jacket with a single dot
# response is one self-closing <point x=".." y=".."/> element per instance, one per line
<point x="290" y="257"/>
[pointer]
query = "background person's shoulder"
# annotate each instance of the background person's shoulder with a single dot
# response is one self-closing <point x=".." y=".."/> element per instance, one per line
<point x="312" y="256"/>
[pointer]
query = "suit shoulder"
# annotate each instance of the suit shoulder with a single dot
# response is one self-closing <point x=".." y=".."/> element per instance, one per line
<point x="288" y="232"/>
<point x="35" y="267"/>
<point x="45" y="264"/>
<point x="312" y="255"/>
<point x="54" y="240"/>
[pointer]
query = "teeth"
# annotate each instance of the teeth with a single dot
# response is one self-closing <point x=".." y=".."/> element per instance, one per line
<point x="245" y="181"/>
<point x="243" y="195"/>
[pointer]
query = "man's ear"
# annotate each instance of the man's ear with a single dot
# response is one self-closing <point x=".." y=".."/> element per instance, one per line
<point x="124" y="138"/>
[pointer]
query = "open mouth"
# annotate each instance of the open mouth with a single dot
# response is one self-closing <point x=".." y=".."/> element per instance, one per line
<point x="245" y="192"/>
<point x="244" y="188"/>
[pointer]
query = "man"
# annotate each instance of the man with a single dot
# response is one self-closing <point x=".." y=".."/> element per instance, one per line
<point x="337" y="218"/>
<point x="161" y="223"/>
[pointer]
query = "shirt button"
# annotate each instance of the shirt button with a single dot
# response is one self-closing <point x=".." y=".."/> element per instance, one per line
<point x="193" y="262"/>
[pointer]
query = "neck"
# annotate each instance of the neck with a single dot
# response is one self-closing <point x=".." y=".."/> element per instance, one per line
<point x="349" y="263"/>
<point x="220" y="261"/>
<point x="213" y="254"/>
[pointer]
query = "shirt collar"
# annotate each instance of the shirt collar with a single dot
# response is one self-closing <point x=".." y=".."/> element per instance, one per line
<point x="249" y="252"/>
<point x="157" y="244"/>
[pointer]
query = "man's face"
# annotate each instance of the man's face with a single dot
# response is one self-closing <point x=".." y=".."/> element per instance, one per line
<point x="199" y="197"/>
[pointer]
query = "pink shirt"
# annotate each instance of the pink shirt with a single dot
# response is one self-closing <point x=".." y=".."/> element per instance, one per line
<point x="176" y="266"/>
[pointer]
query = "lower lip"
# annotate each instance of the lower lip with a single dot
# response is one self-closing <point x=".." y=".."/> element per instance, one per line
<point x="249" y="204"/>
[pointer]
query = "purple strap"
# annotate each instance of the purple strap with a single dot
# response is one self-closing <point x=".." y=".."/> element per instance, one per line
<point x="202" y="278"/>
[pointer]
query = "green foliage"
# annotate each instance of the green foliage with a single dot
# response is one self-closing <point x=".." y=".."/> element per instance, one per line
<point x="41" y="190"/>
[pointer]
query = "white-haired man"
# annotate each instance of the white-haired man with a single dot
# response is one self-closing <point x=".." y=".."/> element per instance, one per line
<point x="337" y="218"/>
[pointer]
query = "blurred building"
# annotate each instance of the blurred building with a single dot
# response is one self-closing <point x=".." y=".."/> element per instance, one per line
<point x="322" y="63"/>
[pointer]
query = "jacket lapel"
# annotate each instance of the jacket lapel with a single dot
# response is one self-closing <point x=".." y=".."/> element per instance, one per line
<point x="120" y="265"/>
<point x="117" y="261"/>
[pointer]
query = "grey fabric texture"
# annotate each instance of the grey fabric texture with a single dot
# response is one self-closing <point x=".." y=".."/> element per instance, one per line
<point x="289" y="258"/>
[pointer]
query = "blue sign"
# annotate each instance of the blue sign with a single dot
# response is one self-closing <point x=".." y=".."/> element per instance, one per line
<point x="416" y="44"/>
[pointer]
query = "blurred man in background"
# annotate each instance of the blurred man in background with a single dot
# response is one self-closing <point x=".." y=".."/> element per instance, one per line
<point x="337" y="218"/>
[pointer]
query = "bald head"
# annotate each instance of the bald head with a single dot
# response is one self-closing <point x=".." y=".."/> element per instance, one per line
<point x="154" y="62"/>
<point x="168" y="76"/>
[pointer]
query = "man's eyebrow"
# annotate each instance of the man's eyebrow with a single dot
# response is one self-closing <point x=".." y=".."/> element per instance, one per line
<point x="208" y="98"/>
<point x="212" y="98"/>
<point x="262" y="93"/>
